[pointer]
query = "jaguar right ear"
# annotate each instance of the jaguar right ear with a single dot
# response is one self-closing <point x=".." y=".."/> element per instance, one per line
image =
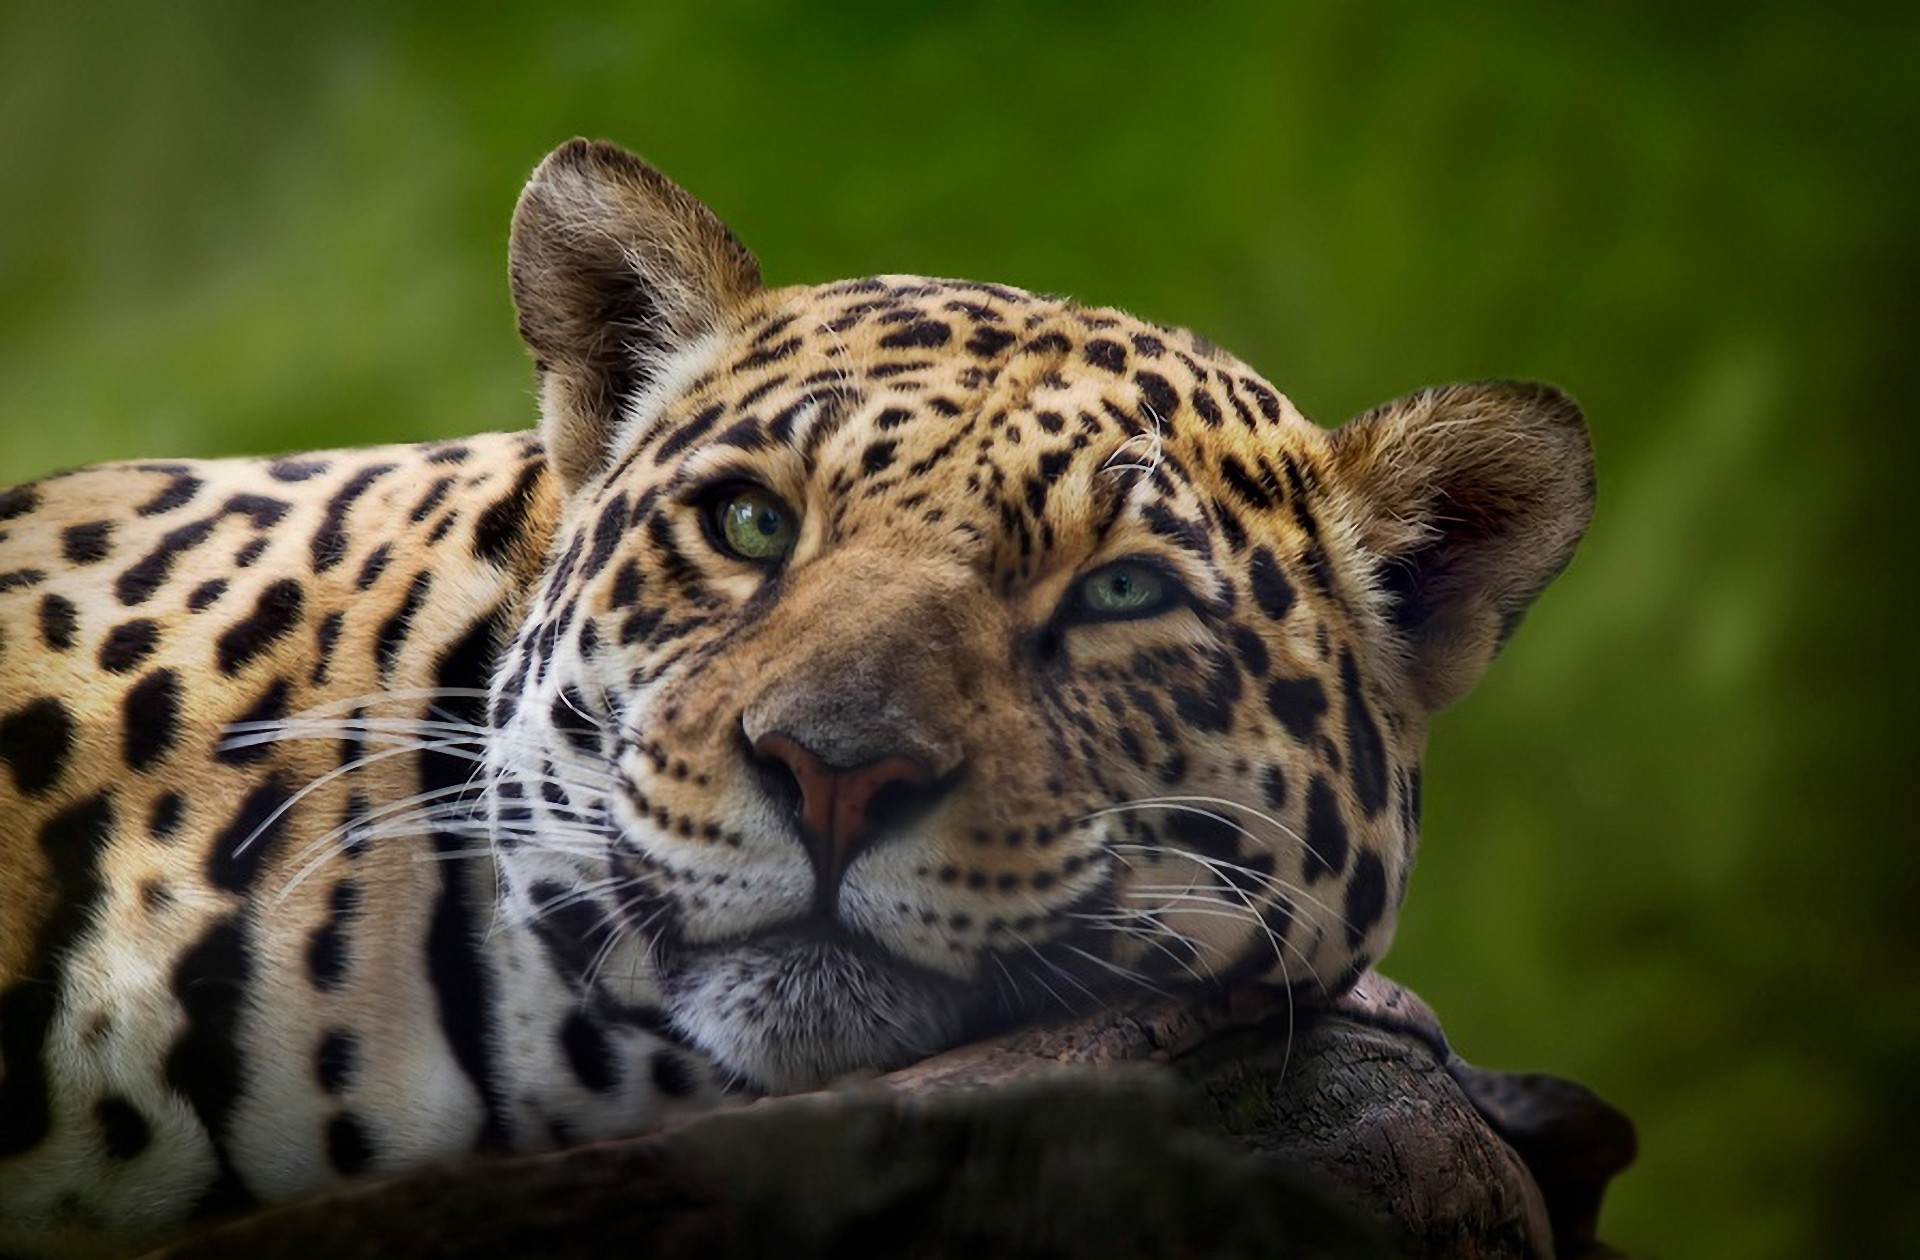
<point x="614" y="269"/>
<point x="1470" y="498"/>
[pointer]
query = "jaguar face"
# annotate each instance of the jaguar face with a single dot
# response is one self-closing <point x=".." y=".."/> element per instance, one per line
<point x="923" y="656"/>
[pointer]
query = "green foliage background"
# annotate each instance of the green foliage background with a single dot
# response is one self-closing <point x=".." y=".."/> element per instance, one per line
<point x="1663" y="850"/>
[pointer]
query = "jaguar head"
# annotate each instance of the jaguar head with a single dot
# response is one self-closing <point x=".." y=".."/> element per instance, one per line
<point x="919" y="656"/>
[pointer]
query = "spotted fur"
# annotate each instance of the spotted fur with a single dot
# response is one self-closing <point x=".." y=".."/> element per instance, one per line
<point x="363" y="808"/>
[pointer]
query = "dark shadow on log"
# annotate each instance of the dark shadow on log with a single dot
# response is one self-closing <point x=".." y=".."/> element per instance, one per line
<point x="1237" y="1128"/>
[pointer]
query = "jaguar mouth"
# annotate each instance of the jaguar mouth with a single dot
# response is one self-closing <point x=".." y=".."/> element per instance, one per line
<point x="794" y="1008"/>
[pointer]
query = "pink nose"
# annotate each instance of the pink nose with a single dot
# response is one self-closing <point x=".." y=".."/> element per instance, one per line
<point x="834" y="801"/>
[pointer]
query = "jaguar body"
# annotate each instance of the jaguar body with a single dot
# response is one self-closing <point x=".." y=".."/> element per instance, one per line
<point x="837" y="673"/>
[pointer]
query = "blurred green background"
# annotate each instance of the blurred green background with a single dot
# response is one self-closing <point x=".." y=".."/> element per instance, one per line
<point x="1666" y="851"/>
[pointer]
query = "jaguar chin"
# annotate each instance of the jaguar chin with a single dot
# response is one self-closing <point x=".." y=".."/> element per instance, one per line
<point x="793" y="1009"/>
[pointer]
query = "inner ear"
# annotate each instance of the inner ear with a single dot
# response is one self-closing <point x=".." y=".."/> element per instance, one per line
<point x="614" y="269"/>
<point x="1469" y="499"/>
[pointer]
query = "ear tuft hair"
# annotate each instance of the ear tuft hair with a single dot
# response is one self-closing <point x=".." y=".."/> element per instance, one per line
<point x="614" y="268"/>
<point x="1471" y="498"/>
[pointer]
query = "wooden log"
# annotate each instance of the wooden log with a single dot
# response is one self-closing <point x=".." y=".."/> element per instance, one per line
<point x="1242" y="1125"/>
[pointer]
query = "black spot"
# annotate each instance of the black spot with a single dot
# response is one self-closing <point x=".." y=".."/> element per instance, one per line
<point x="922" y="334"/>
<point x="689" y="433"/>
<point x="392" y="635"/>
<point x="1231" y="530"/>
<point x="607" y="533"/>
<point x="34" y="742"/>
<point x="150" y="720"/>
<point x="261" y="511"/>
<point x="671" y="1074"/>
<point x="588" y="1052"/>
<point x="1210" y="706"/>
<point x="1157" y="395"/>
<point x="462" y="993"/>
<point x="327" y="957"/>
<point x="86" y="544"/>
<point x="1245" y="485"/>
<point x="165" y="818"/>
<point x="572" y="721"/>
<point x="18" y="502"/>
<point x="71" y="842"/>
<point x="328" y="546"/>
<point x="349" y="1148"/>
<point x="504" y="521"/>
<point x="431" y="500"/>
<point x="1273" y="786"/>
<point x="326" y="636"/>
<point x="1366" y="896"/>
<point x="1177" y="529"/>
<point x="123" y="1129"/>
<point x="768" y="354"/>
<point x="1265" y="398"/>
<point x="296" y="469"/>
<point x="1107" y="355"/>
<point x="1211" y="835"/>
<point x="353" y="826"/>
<point x="373" y="567"/>
<point x="155" y="896"/>
<point x="627" y="584"/>
<point x="178" y="492"/>
<point x="435" y="495"/>
<point x="1206" y="408"/>
<point x="1366" y="752"/>
<point x="205" y="1065"/>
<point x="989" y="342"/>
<point x="128" y="644"/>
<point x="243" y="846"/>
<point x="640" y="625"/>
<point x="58" y="620"/>
<point x="1314" y="557"/>
<point x="1271" y="590"/>
<point x="567" y="926"/>
<point x="204" y="594"/>
<point x="1326" y="833"/>
<point x="250" y="736"/>
<point x="1252" y="650"/>
<point x="21" y="579"/>
<point x="275" y="613"/>
<point x="878" y="457"/>
<point x="1298" y="703"/>
<point x="138" y="583"/>
<point x="334" y="1062"/>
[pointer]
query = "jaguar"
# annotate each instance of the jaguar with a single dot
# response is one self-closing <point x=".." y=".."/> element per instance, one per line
<point x="836" y="673"/>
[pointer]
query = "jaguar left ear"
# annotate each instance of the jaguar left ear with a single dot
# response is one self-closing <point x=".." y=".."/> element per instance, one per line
<point x="1469" y="499"/>
<point x="614" y="268"/>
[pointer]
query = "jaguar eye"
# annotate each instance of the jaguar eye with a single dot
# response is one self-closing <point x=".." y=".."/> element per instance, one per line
<point x="753" y="523"/>
<point x="1124" y="590"/>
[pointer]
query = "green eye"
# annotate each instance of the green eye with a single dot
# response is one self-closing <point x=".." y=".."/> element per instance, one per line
<point x="1123" y="589"/>
<point x="754" y="524"/>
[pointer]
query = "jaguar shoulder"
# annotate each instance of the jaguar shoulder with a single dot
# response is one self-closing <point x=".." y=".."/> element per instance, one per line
<point x="836" y="674"/>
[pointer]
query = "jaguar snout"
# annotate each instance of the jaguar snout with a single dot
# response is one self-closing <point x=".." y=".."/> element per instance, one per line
<point x="841" y="810"/>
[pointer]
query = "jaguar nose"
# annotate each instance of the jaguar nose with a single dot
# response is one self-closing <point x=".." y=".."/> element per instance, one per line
<point x="840" y="805"/>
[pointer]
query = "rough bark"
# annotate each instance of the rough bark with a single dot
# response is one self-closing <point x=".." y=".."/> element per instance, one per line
<point x="1237" y="1127"/>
